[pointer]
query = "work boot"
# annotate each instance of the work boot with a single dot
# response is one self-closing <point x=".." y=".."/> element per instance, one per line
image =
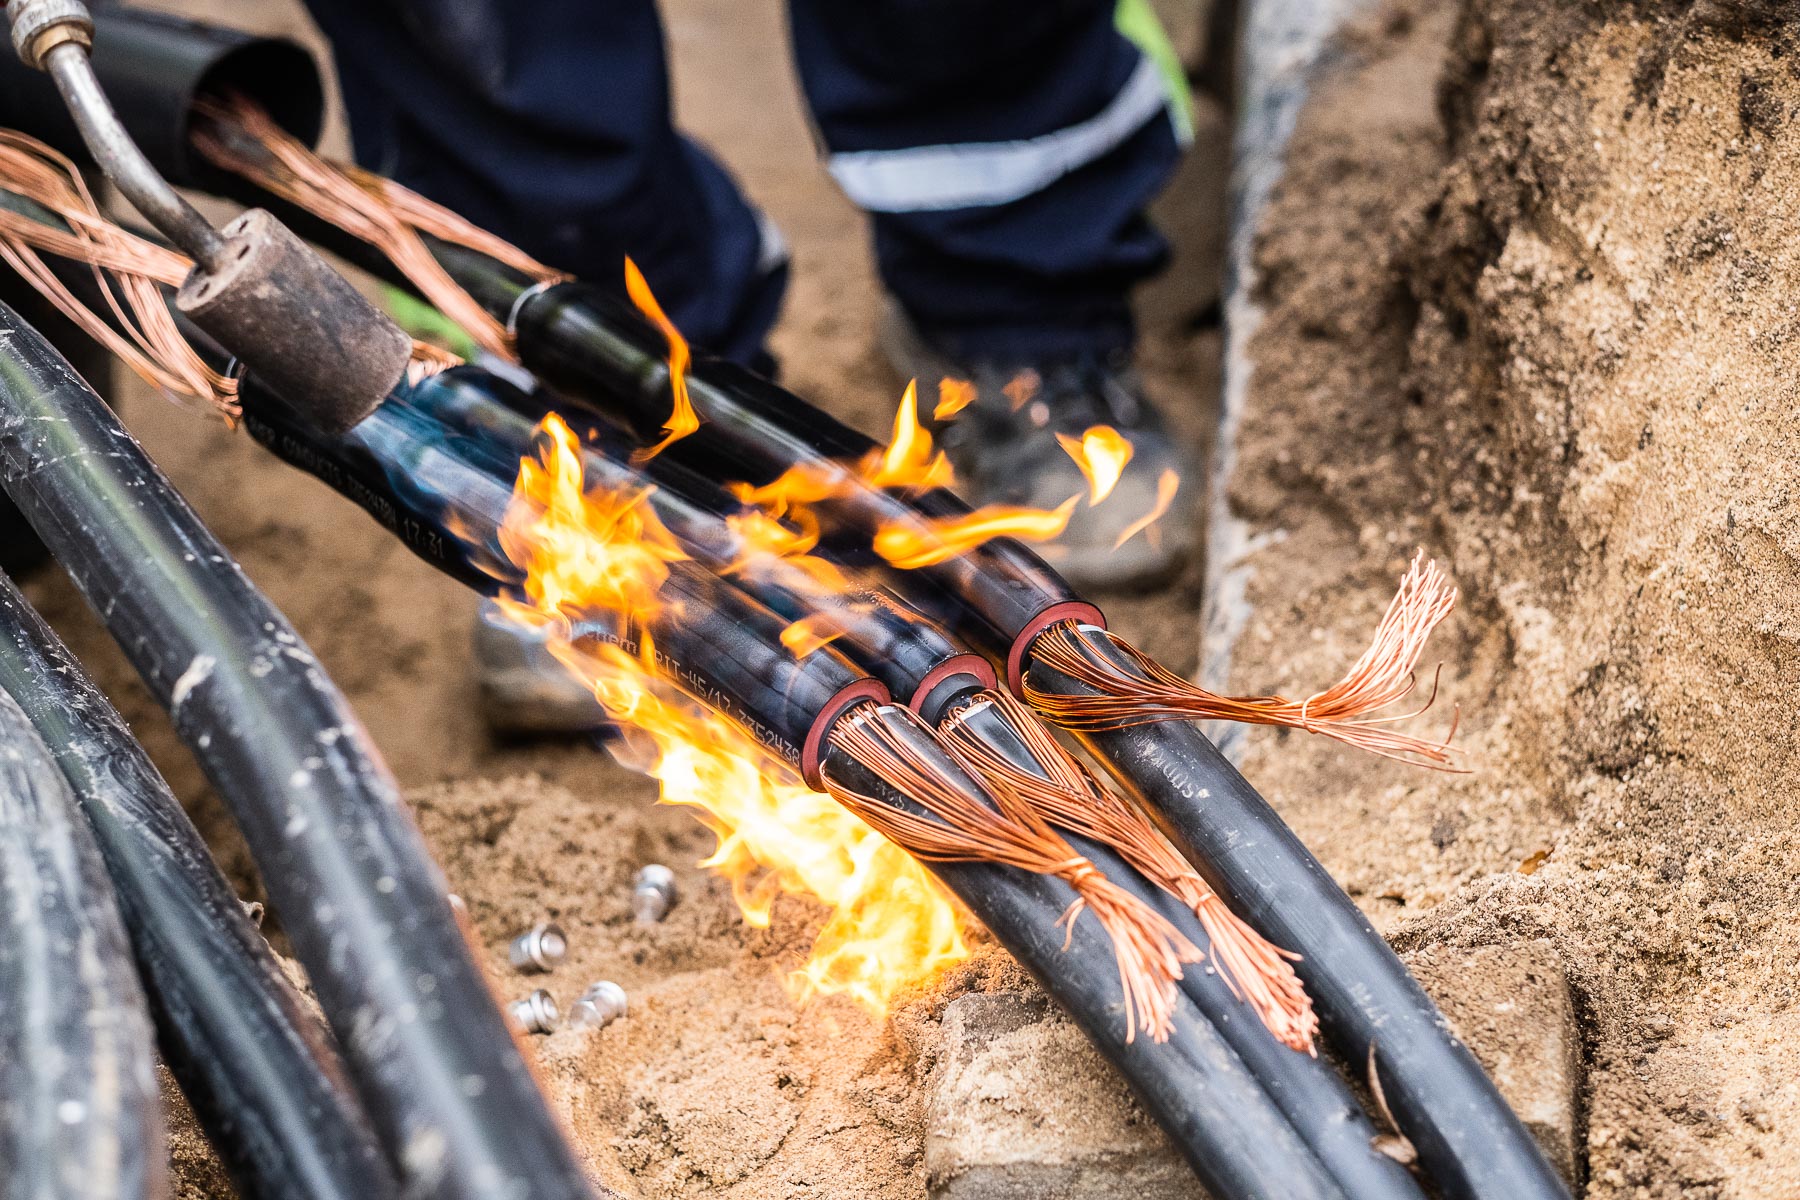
<point x="524" y="690"/>
<point x="1005" y="450"/>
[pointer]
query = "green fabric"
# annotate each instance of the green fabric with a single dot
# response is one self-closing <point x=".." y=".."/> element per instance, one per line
<point x="1138" y="22"/>
<point x="425" y="323"/>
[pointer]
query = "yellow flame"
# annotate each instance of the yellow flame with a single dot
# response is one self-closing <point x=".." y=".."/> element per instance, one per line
<point x="909" y="460"/>
<point x="1101" y="453"/>
<point x="582" y="551"/>
<point x="889" y="922"/>
<point x="761" y="536"/>
<point x="1167" y="484"/>
<point x="811" y="633"/>
<point x="926" y="543"/>
<point x="683" y="420"/>
<point x="796" y="488"/>
<point x="954" y="395"/>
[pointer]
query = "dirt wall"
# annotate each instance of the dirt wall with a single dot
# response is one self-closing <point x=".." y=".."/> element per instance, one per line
<point x="1528" y="305"/>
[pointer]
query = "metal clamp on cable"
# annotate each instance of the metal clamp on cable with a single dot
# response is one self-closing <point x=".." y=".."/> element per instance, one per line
<point x="258" y="290"/>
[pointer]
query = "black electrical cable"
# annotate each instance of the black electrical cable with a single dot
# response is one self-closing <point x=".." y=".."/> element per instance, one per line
<point x="445" y="497"/>
<point x="602" y="356"/>
<point x="1310" y="1093"/>
<point x="999" y="597"/>
<point x="1468" y="1139"/>
<point x="262" y="1076"/>
<point x="912" y="657"/>
<point x="357" y="891"/>
<point x="1002" y="597"/>
<point x="80" y="1110"/>
<point x="447" y="446"/>
<point x="726" y="649"/>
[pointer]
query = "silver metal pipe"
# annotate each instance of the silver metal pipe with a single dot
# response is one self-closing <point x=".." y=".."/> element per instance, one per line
<point x="124" y="164"/>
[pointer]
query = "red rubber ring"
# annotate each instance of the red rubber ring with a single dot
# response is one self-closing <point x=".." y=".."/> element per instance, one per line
<point x="961" y="664"/>
<point x="814" y="749"/>
<point x="1079" y="611"/>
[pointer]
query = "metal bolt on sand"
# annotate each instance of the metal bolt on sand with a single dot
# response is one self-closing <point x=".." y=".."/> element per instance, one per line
<point x="602" y="1004"/>
<point x="539" y="948"/>
<point x="653" y="895"/>
<point x="536" y="1013"/>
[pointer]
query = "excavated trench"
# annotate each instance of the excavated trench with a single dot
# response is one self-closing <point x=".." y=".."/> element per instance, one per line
<point x="1524" y="303"/>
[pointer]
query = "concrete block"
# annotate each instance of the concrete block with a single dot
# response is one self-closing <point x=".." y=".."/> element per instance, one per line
<point x="1512" y="1005"/>
<point x="1022" y="1108"/>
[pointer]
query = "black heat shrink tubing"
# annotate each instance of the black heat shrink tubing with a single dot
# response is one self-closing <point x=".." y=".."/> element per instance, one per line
<point x="80" y="1109"/>
<point x="261" y="1073"/>
<point x="346" y="868"/>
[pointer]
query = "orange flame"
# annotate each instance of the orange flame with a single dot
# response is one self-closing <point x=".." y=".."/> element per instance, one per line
<point x="954" y="395"/>
<point x="683" y="420"/>
<point x="761" y="536"/>
<point x="909" y="460"/>
<point x="583" y="551"/>
<point x="591" y="552"/>
<point x="811" y="633"/>
<point x="796" y="488"/>
<point x="1101" y="453"/>
<point x="1167" y="484"/>
<point x="926" y="543"/>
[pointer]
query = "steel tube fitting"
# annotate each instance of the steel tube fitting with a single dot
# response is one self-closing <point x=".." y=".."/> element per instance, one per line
<point x="536" y="1013"/>
<point x="602" y="1004"/>
<point x="539" y="948"/>
<point x="653" y="895"/>
<point x="38" y="26"/>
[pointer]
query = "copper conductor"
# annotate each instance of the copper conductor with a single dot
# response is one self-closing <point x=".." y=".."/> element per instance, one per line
<point x="240" y="137"/>
<point x="1068" y="795"/>
<point x="1145" y="691"/>
<point x="130" y="272"/>
<point x="1149" y="950"/>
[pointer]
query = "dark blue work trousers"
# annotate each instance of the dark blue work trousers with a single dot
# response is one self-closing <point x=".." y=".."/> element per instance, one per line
<point x="1004" y="149"/>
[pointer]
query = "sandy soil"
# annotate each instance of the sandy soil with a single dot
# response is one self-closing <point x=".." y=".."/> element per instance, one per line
<point x="1542" y="329"/>
<point x="1537" y="326"/>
